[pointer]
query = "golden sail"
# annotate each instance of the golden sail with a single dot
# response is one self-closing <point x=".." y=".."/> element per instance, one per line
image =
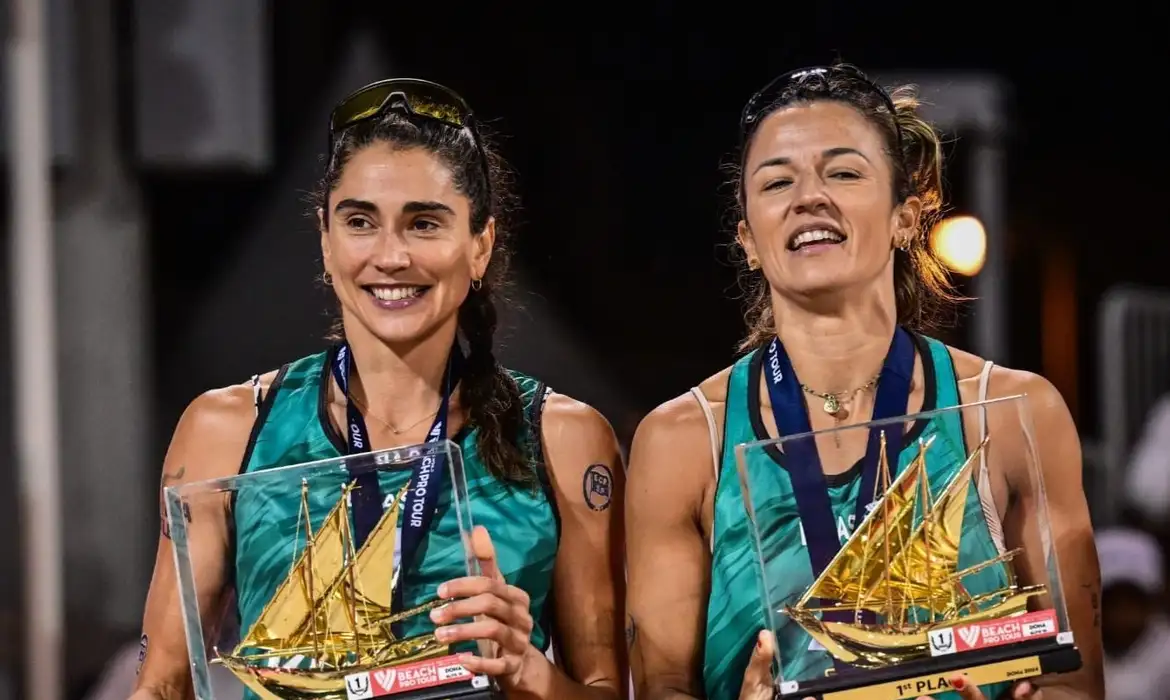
<point x="331" y="617"/>
<point x="901" y="563"/>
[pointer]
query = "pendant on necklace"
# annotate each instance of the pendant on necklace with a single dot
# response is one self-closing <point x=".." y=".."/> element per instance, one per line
<point x="832" y="405"/>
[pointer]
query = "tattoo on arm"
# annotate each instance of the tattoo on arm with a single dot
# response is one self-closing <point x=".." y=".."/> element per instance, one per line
<point x="598" y="487"/>
<point x="142" y="643"/>
<point x="631" y="631"/>
<point x="1094" y="602"/>
<point x="166" y="523"/>
<point x="168" y="478"/>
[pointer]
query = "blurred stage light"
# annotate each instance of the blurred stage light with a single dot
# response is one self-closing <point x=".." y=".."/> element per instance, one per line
<point x="961" y="242"/>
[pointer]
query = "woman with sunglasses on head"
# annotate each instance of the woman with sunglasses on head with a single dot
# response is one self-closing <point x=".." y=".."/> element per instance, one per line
<point x="839" y="182"/>
<point x="410" y="215"/>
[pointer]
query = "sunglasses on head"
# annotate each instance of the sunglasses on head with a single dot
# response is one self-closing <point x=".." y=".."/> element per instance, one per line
<point x="765" y="100"/>
<point x="417" y="98"/>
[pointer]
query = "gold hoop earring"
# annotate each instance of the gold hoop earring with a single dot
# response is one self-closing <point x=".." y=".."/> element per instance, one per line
<point x="327" y="278"/>
<point x="476" y="285"/>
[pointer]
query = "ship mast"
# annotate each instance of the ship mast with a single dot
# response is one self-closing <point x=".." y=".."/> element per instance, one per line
<point x="928" y="526"/>
<point x="350" y="557"/>
<point x="309" y="560"/>
<point x="884" y="461"/>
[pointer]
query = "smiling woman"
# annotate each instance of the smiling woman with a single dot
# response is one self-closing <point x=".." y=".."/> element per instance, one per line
<point x="410" y="212"/>
<point x="839" y="182"/>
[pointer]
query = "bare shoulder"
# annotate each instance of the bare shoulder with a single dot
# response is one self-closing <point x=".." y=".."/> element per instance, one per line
<point x="212" y="434"/>
<point x="715" y="386"/>
<point x="582" y="455"/>
<point x="680" y="424"/>
<point x="1043" y="397"/>
<point x="566" y="419"/>
<point x="1049" y="419"/>
<point x="671" y="455"/>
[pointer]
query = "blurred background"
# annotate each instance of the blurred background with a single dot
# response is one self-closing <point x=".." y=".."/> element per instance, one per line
<point x="158" y="153"/>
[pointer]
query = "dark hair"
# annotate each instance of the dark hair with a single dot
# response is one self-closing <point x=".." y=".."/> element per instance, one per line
<point x="922" y="285"/>
<point x="492" y="396"/>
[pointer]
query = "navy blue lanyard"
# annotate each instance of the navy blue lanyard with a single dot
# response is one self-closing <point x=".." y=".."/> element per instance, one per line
<point x="803" y="462"/>
<point x="426" y="480"/>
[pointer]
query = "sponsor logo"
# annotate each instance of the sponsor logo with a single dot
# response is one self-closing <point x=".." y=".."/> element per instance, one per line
<point x="385" y="679"/>
<point x="970" y="634"/>
<point x="994" y="633"/>
<point x="942" y="642"/>
<point x="409" y="677"/>
<point x="357" y="687"/>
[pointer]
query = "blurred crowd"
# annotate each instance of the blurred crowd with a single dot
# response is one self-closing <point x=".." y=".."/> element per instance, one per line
<point x="1135" y="607"/>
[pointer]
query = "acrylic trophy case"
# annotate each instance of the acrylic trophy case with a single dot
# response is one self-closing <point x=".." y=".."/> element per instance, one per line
<point x="321" y="616"/>
<point x="930" y="582"/>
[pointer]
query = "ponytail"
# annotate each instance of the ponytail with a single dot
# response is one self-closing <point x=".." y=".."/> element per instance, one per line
<point x="490" y="394"/>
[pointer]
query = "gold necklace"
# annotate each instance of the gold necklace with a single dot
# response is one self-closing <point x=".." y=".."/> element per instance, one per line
<point x="833" y="402"/>
<point x="383" y="421"/>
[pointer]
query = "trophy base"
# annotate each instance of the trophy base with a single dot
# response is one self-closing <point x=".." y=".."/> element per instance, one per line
<point x="433" y="679"/>
<point x="455" y="691"/>
<point x="911" y="680"/>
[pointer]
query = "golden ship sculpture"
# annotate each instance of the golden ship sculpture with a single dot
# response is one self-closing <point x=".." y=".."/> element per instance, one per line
<point x="331" y="617"/>
<point x="904" y="569"/>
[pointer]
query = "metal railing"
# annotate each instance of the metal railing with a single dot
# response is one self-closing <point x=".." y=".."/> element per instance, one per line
<point x="1133" y="349"/>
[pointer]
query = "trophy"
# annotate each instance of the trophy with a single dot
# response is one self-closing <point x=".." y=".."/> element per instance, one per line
<point x="322" y="615"/>
<point x="887" y="599"/>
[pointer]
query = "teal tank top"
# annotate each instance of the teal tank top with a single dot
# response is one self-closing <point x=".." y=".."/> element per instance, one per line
<point x="293" y="427"/>
<point x="734" y="612"/>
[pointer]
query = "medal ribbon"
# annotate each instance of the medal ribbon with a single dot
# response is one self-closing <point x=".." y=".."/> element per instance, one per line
<point x="426" y="479"/>
<point x="803" y="463"/>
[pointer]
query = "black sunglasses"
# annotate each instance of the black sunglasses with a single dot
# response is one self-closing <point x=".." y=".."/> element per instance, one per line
<point x="418" y="98"/>
<point x="765" y="100"/>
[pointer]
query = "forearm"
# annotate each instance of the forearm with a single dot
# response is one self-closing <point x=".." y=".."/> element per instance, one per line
<point x="156" y="691"/>
<point x="667" y="688"/>
<point x="545" y="681"/>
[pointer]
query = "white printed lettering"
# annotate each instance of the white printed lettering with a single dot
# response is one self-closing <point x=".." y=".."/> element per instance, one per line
<point x="417" y="508"/>
<point x="774" y="362"/>
<point x="845" y="528"/>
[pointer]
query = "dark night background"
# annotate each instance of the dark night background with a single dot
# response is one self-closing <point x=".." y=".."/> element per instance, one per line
<point x="617" y="119"/>
<point x="617" y="124"/>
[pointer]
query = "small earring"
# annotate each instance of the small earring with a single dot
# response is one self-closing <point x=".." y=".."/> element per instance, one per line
<point x="753" y="263"/>
<point x="476" y="285"/>
<point x="327" y="278"/>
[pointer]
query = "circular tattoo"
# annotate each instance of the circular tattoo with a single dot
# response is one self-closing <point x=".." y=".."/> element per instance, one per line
<point x="598" y="486"/>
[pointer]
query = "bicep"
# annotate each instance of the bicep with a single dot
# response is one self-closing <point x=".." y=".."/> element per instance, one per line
<point x="588" y="479"/>
<point x="206" y="445"/>
<point x="669" y="564"/>
<point x="1052" y="498"/>
<point x="162" y="625"/>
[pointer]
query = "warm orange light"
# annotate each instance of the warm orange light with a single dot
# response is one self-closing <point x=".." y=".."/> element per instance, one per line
<point x="961" y="243"/>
